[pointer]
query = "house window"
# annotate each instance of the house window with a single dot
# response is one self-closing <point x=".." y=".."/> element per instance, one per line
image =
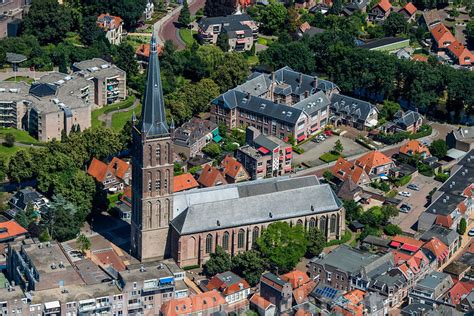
<point x="225" y="241"/>
<point x="149" y="185"/>
<point x="209" y="243"/>
<point x="158" y="185"/>
<point x="241" y="239"/>
<point x="332" y="224"/>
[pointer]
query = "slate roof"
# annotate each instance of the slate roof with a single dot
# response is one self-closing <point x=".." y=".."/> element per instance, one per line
<point x="22" y="198"/>
<point x="347" y="259"/>
<point x="298" y="82"/>
<point x="192" y="131"/>
<point x="205" y="22"/>
<point x="357" y="109"/>
<point x="313" y="103"/>
<point x="447" y="236"/>
<point x="408" y="118"/>
<point x="255" y="202"/>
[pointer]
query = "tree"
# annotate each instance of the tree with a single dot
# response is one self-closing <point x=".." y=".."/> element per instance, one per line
<point x="296" y="55"/>
<point x="3" y="56"/>
<point x="388" y="211"/>
<point x="48" y="21"/>
<point x="44" y="236"/>
<point x="353" y="210"/>
<point x="125" y="59"/>
<point x="336" y="7"/>
<point x="395" y="24"/>
<point x="20" y="167"/>
<point x="389" y="109"/>
<point x="338" y="148"/>
<point x="392" y="230"/>
<point x="83" y="242"/>
<point x="223" y="42"/>
<point x="9" y="140"/>
<point x="199" y="102"/>
<point x="3" y="170"/>
<point x="90" y="32"/>
<point x="231" y="72"/>
<point x="213" y="150"/>
<point x="184" y="15"/>
<point x="439" y="148"/>
<point x="316" y="242"/>
<point x="218" y="262"/>
<point x="272" y="17"/>
<point x="462" y="226"/>
<point x="470" y="32"/>
<point x="61" y="219"/>
<point x="282" y="245"/>
<point x="249" y="265"/>
<point x="328" y="175"/>
<point x="293" y="20"/>
<point x="219" y="7"/>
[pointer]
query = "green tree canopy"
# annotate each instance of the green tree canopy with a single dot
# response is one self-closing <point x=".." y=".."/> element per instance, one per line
<point x="231" y="72"/>
<point x="353" y="210"/>
<point x="392" y="230"/>
<point x="213" y="150"/>
<point x="272" y="17"/>
<point x="125" y="59"/>
<point x="61" y="219"/>
<point x="249" y="265"/>
<point x="389" y="109"/>
<point x="218" y="262"/>
<point x="316" y="242"/>
<point x="184" y="15"/>
<point x="282" y="245"/>
<point x="395" y="24"/>
<point x="223" y="42"/>
<point x="219" y="7"/>
<point x="20" y="167"/>
<point x="438" y="148"/>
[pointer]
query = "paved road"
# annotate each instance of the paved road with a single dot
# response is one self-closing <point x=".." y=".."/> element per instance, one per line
<point x="107" y="117"/>
<point x="166" y="26"/>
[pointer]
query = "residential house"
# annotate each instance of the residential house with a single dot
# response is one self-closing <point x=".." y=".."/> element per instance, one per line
<point x="375" y="164"/>
<point x="461" y="139"/>
<point x="457" y="270"/>
<point x="345" y="170"/>
<point x="233" y="170"/>
<point x="114" y="176"/>
<point x="11" y="231"/>
<point x="460" y="54"/>
<point x="439" y="249"/>
<point x="184" y="182"/>
<point x="419" y="57"/>
<point x="112" y="26"/>
<point x="277" y="291"/>
<point x="355" y="6"/>
<point x="149" y="10"/>
<point x="409" y="121"/>
<point x="458" y="292"/>
<point x="415" y="148"/>
<point x="142" y="53"/>
<point x="285" y="103"/>
<point x="308" y="30"/>
<point x="325" y="297"/>
<point x="322" y="8"/>
<point x="301" y="284"/>
<point x="110" y="82"/>
<point x="448" y="237"/>
<point x="353" y="112"/>
<point x="28" y="196"/>
<point x="351" y="304"/>
<point x="124" y="205"/>
<point x="442" y="37"/>
<point x="467" y="303"/>
<point x="240" y="29"/>
<point x="380" y="11"/>
<point x="264" y="156"/>
<point x="376" y="243"/>
<point x="210" y="177"/>
<point x="393" y="285"/>
<point x="234" y="289"/>
<point x="207" y="303"/>
<point x="191" y="137"/>
<point x="431" y="288"/>
<point x="262" y="306"/>
<point x="430" y="18"/>
<point x="408" y="11"/>
<point x="375" y="304"/>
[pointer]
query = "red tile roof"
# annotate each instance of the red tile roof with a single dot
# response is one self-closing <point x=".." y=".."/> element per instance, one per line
<point x="442" y="35"/>
<point x="127" y="196"/>
<point x="183" y="182"/>
<point x="420" y="58"/>
<point x="463" y="55"/>
<point x="296" y="278"/>
<point x="459" y="291"/>
<point x="344" y="170"/>
<point x="437" y="247"/>
<point x="414" y="147"/>
<point x="408" y="240"/>
<point x="373" y="159"/>
<point x="409" y="8"/>
<point x="116" y="166"/>
<point x="301" y="293"/>
<point x="470" y="248"/>
<point x="304" y="27"/>
<point x="144" y="50"/>
<point x="211" y="176"/>
<point x="231" y="167"/>
<point x="385" y="5"/>
<point x="11" y="229"/>
<point x="216" y="283"/>
<point x="115" y="21"/>
<point x="445" y="221"/>
<point x="259" y="301"/>
<point x="194" y="304"/>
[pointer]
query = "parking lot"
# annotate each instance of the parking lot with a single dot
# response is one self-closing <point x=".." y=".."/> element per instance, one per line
<point x="417" y="201"/>
<point x="312" y="150"/>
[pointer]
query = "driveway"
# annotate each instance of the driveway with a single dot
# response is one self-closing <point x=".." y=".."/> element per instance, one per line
<point x="417" y="200"/>
<point x="314" y="150"/>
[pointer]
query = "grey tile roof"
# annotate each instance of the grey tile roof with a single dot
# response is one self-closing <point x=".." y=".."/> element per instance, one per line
<point x="445" y="204"/>
<point x="262" y="140"/>
<point x="298" y="83"/>
<point x="359" y="110"/>
<point x="205" y="22"/>
<point x="313" y="103"/>
<point x="254" y="202"/>
<point x="432" y="280"/>
<point x="458" y="181"/>
<point x="347" y="259"/>
<point x="192" y="131"/>
<point x="447" y="236"/>
<point x="409" y="118"/>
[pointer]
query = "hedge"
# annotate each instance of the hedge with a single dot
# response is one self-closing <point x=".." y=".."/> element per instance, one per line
<point x="298" y="150"/>
<point x="329" y="157"/>
<point x="425" y="130"/>
<point x="195" y="266"/>
<point x="345" y="238"/>
<point x="403" y="181"/>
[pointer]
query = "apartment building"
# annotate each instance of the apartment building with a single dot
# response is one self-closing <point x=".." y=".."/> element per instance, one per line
<point x="112" y="26"/>
<point x="353" y="112"/>
<point x="11" y="14"/>
<point x="57" y="103"/>
<point x="240" y="29"/>
<point x="110" y="82"/>
<point x="282" y="104"/>
<point x="264" y="156"/>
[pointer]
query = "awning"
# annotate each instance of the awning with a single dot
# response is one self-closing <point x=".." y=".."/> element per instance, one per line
<point x="217" y="138"/>
<point x="288" y="156"/>
<point x="263" y="150"/>
<point x="410" y="248"/>
<point x="302" y="137"/>
<point x="288" y="150"/>
<point x="395" y="244"/>
<point x="55" y="304"/>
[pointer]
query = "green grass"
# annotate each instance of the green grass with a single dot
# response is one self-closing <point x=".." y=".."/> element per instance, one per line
<point x="20" y="136"/>
<point x="329" y="157"/>
<point x="345" y="238"/>
<point x="120" y="119"/>
<point x="109" y="108"/>
<point x="252" y="60"/>
<point x="113" y="199"/>
<point x="7" y="152"/>
<point x="264" y="41"/>
<point x="21" y="78"/>
<point x="391" y="194"/>
<point x="187" y="36"/>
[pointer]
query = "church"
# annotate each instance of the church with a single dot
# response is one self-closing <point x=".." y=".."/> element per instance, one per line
<point x="187" y="226"/>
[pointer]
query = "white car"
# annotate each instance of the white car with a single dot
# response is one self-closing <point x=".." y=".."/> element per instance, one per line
<point x="404" y="193"/>
<point x="470" y="233"/>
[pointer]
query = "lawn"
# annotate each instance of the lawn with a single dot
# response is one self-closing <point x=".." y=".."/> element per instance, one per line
<point x="7" y="152"/>
<point x="329" y="157"/>
<point x="109" y="108"/>
<point x="21" y="78"/>
<point x="20" y="136"/>
<point x="120" y="119"/>
<point x="252" y="60"/>
<point x="187" y="36"/>
<point x="264" y="41"/>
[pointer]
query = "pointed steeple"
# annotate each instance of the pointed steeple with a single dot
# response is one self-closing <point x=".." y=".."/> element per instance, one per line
<point x="153" y="121"/>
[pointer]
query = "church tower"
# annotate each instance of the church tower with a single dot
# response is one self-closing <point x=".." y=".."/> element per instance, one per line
<point x="152" y="171"/>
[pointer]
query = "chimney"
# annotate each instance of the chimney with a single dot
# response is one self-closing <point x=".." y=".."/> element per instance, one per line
<point x="301" y="78"/>
<point x="306" y="94"/>
<point x="272" y="87"/>
<point x="315" y="83"/>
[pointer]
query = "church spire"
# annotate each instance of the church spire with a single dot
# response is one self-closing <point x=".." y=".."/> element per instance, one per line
<point x="153" y="121"/>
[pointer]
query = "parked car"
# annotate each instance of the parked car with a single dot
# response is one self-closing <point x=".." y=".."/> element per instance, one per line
<point x="470" y="233"/>
<point x="405" y="208"/>
<point x="404" y="193"/>
<point x="413" y="187"/>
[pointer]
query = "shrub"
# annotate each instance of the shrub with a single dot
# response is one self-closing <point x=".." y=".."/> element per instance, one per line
<point x="328" y="175"/>
<point x="425" y="130"/>
<point x="462" y="226"/>
<point x="9" y="140"/>
<point x="297" y="149"/>
<point x="441" y="177"/>
<point x="425" y="170"/>
<point x="392" y="230"/>
<point x="403" y="181"/>
<point x="345" y="238"/>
